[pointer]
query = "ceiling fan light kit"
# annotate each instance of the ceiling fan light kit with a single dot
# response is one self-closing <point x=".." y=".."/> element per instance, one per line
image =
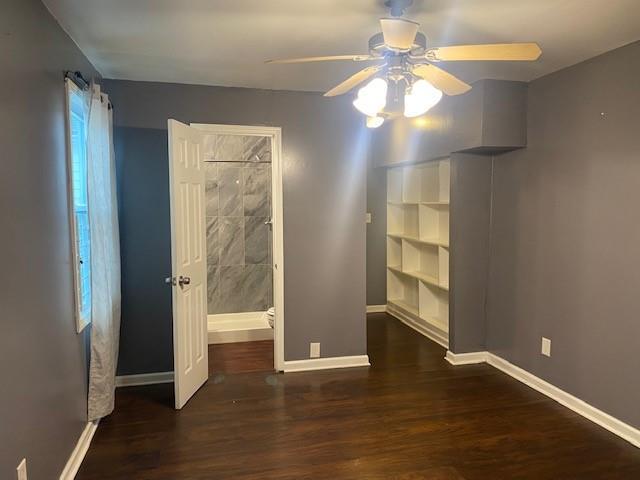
<point x="372" y="98"/>
<point x="374" y="122"/>
<point x="420" y="98"/>
<point x="404" y="64"/>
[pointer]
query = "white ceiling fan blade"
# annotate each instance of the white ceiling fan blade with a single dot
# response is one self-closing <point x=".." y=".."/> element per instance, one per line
<point x="496" y="52"/>
<point x="399" y="33"/>
<point x="355" y="58"/>
<point x="353" y="80"/>
<point x="442" y="80"/>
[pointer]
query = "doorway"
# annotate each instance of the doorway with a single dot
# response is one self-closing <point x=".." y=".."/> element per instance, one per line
<point x="243" y="194"/>
<point x="233" y="207"/>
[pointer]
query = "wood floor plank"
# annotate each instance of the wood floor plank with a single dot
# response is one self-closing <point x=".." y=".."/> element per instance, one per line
<point x="241" y="357"/>
<point x="410" y="416"/>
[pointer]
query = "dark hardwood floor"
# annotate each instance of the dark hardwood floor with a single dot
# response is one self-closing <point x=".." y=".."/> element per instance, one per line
<point x="410" y="416"/>
<point x="242" y="357"/>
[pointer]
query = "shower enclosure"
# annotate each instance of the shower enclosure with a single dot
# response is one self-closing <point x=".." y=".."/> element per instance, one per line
<point x="239" y="237"/>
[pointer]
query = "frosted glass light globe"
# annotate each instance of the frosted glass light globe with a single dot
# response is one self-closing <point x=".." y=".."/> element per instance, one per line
<point x="374" y="122"/>
<point x="420" y="98"/>
<point x="372" y="98"/>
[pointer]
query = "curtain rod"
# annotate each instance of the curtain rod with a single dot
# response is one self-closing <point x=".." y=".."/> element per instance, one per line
<point x="81" y="82"/>
<point x="77" y="78"/>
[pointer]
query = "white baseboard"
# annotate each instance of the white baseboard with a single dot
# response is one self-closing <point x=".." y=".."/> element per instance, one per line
<point x="420" y="326"/>
<point x="79" y="452"/>
<point x="234" y="318"/>
<point x="618" y="427"/>
<point x="326" y="363"/>
<point x="465" y="358"/>
<point x="597" y="416"/>
<point x="238" y="327"/>
<point x="144" y="379"/>
<point x="376" y="308"/>
<point x="235" y="336"/>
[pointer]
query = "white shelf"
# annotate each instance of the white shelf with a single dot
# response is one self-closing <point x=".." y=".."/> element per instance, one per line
<point x="431" y="204"/>
<point x="411" y="184"/>
<point x="423" y="277"/>
<point x="394" y="251"/>
<point x="418" y="242"/>
<point x="434" y="223"/>
<point x="443" y="267"/>
<point x="439" y="323"/>
<point x="413" y="238"/>
<point x="403" y="218"/>
<point x="403" y="290"/>
<point x="435" y="182"/>
<point x="434" y="306"/>
<point x="405" y="306"/>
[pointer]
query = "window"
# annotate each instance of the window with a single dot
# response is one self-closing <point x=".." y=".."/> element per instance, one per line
<point x="78" y="205"/>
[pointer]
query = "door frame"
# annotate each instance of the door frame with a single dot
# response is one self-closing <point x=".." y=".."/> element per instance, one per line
<point x="275" y="133"/>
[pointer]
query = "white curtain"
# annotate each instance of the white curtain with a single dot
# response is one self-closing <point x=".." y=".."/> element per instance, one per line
<point x="105" y="255"/>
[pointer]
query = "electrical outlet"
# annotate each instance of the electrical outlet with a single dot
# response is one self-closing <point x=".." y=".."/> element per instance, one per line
<point x="22" y="470"/>
<point x="546" y="347"/>
<point x="368" y="217"/>
<point x="314" y="350"/>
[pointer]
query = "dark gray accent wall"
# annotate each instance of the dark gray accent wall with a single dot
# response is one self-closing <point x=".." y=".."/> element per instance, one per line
<point x="146" y="335"/>
<point x="566" y="235"/>
<point x="325" y="152"/>
<point x="42" y="360"/>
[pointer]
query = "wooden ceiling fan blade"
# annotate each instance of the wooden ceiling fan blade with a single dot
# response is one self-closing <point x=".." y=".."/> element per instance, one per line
<point x="399" y="33"/>
<point x="330" y="58"/>
<point x="496" y="52"/>
<point x="442" y="80"/>
<point x="353" y="81"/>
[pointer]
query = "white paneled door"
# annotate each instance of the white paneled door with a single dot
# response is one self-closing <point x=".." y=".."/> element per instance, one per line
<point x="188" y="259"/>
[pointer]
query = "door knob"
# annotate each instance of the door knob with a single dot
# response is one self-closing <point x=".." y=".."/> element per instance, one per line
<point x="177" y="280"/>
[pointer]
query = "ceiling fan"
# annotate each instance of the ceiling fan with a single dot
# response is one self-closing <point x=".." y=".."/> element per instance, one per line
<point x="404" y="62"/>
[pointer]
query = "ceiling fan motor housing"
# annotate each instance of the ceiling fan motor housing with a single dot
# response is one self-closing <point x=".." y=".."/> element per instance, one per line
<point x="378" y="48"/>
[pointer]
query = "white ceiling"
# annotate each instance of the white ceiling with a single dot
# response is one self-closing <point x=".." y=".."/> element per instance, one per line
<point x="224" y="42"/>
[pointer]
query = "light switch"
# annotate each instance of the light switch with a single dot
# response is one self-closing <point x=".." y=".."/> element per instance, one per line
<point x="368" y="217"/>
<point x="546" y="347"/>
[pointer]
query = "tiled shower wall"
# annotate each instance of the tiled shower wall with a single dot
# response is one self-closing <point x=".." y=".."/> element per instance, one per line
<point x="238" y="200"/>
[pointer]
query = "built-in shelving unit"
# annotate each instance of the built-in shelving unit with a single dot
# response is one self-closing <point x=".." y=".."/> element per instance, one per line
<point x="418" y="246"/>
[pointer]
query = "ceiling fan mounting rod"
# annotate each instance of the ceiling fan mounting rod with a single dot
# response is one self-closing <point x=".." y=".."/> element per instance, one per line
<point x="397" y="7"/>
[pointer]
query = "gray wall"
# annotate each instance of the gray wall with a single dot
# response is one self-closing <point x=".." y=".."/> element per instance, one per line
<point x="43" y="361"/>
<point x="325" y="151"/>
<point x="566" y="235"/>
<point x="470" y="210"/>
<point x="377" y="235"/>
<point x="490" y="117"/>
